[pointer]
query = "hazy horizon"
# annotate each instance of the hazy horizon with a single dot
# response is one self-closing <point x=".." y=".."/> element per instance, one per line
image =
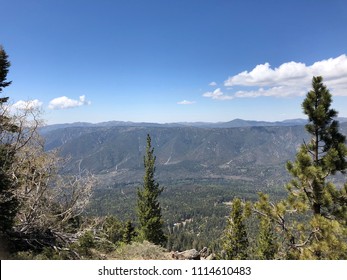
<point x="182" y="122"/>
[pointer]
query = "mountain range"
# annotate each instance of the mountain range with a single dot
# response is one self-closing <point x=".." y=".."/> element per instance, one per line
<point x="229" y="124"/>
<point x="251" y="151"/>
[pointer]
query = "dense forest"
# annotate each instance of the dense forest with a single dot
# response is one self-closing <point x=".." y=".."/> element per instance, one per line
<point x="51" y="209"/>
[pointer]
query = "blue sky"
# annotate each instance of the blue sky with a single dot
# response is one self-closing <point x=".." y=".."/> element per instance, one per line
<point x="169" y="61"/>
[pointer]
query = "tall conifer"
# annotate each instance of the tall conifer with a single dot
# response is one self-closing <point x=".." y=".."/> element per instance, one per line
<point x="311" y="192"/>
<point x="323" y="156"/>
<point x="235" y="239"/>
<point x="266" y="245"/>
<point x="148" y="207"/>
<point x="8" y="200"/>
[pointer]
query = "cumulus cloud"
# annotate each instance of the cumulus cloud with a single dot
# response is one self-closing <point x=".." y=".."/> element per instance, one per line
<point x="30" y="104"/>
<point x="217" y="94"/>
<point x="186" y="102"/>
<point x="280" y="91"/>
<point x="212" y="84"/>
<point x="291" y="78"/>
<point x="64" y="102"/>
<point x="263" y="75"/>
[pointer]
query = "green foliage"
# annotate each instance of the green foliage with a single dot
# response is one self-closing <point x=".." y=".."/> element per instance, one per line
<point x="85" y="245"/>
<point x="86" y="241"/>
<point x="266" y="245"/>
<point x="235" y="240"/>
<point x="8" y="201"/>
<point x="148" y="207"/>
<point x="129" y="232"/>
<point x="327" y="239"/>
<point x="324" y="155"/>
<point x="4" y="68"/>
<point x="113" y="229"/>
<point x="324" y="236"/>
<point x="327" y="146"/>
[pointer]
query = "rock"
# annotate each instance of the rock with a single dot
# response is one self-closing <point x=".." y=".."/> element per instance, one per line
<point x="187" y="255"/>
<point x="204" y="254"/>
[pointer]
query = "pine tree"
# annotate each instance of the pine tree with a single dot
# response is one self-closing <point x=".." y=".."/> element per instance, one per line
<point x="113" y="228"/>
<point x="323" y="156"/>
<point x="4" y="68"/>
<point x="266" y="246"/>
<point x="235" y="240"/>
<point x="311" y="222"/>
<point x="129" y="232"/>
<point x="8" y="200"/>
<point x="148" y="207"/>
<point x="311" y="191"/>
<point x="5" y="122"/>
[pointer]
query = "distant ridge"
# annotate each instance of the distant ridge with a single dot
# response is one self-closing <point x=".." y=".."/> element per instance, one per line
<point x="231" y="124"/>
<point x="250" y="123"/>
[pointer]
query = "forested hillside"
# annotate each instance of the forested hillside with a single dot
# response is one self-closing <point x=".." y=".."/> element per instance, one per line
<point x="115" y="153"/>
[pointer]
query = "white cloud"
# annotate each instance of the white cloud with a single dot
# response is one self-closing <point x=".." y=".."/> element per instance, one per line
<point x="212" y="84"/>
<point x="64" y="102"/>
<point x="273" y="91"/>
<point x="186" y="102"/>
<point x="217" y="94"/>
<point x="263" y="75"/>
<point x="30" y="104"/>
<point x="292" y="78"/>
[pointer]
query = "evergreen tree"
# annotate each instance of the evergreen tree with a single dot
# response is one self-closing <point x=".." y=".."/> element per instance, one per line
<point x="235" y="240"/>
<point x="311" y="193"/>
<point x="113" y="228"/>
<point x="5" y="122"/>
<point x="323" y="156"/>
<point x="4" y="68"/>
<point x="266" y="247"/>
<point x="129" y="232"/>
<point x="148" y="207"/>
<point x="8" y="200"/>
